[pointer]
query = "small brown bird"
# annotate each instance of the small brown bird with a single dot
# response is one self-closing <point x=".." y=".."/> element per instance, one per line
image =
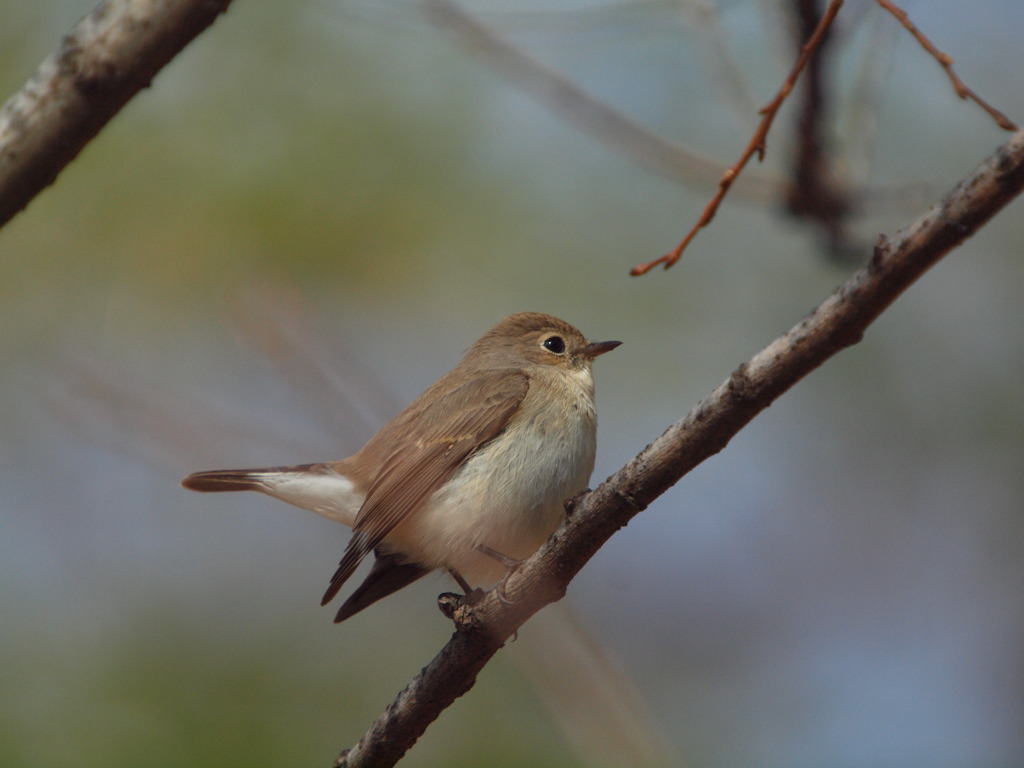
<point x="472" y="476"/>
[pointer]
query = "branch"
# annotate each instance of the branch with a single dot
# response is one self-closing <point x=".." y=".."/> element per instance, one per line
<point x="578" y="108"/>
<point x="757" y="143"/>
<point x="946" y="62"/>
<point x="594" y="517"/>
<point x="108" y="57"/>
<point x="814" y="192"/>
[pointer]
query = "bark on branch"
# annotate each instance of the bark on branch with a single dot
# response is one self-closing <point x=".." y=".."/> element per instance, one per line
<point x="835" y="324"/>
<point x="108" y="57"/>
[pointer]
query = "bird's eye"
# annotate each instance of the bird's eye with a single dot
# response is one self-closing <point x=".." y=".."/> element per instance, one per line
<point x="554" y="344"/>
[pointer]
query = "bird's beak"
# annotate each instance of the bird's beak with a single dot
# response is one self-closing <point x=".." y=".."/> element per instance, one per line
<point x="595" y="348"/>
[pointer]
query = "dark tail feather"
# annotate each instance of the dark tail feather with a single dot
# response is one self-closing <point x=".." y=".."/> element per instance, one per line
<point x="222" y="480"/>
<point x="216" y="480"/>
<point x="389" y="574"/>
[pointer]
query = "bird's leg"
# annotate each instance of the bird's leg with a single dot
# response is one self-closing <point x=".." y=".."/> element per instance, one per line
<point x="460" y="581"/>
<point x="471" y="595"/>
<point x="511" y="566"/>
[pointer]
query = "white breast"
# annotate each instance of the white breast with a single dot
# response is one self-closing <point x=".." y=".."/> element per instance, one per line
<point x="510" y="495"/>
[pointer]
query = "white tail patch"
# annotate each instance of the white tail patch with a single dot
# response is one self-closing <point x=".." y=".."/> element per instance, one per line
<point x="331" y="495"/>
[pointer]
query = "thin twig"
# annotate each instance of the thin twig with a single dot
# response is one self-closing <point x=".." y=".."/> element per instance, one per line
<point x="724" y="70"/>
<point x="280" y="326"/>
<point x="835" y="324"/>
<point x="757" y="145"/>
<point x="861" y="129"/>
<point x="565" y="98"/>
<point x="946" y="62"/>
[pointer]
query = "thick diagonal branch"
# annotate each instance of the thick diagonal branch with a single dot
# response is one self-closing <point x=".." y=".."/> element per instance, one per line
<point x="108" y="57"/>
<point x="838" y="322"/>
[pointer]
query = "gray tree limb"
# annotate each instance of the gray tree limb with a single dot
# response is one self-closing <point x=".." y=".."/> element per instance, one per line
<point x="837" y="323"/>
<point x="108" y="57"/>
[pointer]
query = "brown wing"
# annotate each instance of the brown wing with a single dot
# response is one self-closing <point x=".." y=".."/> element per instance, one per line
<point x="450" y="429"/>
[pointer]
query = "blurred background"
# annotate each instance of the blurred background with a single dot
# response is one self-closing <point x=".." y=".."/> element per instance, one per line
<point x="307" y="219"/>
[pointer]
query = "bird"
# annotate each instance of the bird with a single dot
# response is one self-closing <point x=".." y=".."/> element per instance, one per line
<point x="471" y="477"/>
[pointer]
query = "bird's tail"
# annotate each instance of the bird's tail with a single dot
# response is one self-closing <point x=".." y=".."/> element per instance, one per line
<point x="226" y="480"/>
<point x="320" y="488"/>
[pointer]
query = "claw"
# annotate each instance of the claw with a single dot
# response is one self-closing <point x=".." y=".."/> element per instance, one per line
<point x="448" y="602"/>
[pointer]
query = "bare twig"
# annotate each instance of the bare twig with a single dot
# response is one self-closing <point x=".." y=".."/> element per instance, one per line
<point x="577" y="107"/>
<point x="946" y="62"/>
<point x="757" y="144"/>
<point x="343" y="395"/>
<point x="860" y="133"/>
<point x="589" y="695"/>
<point x="108" y="57"/>
<point x="814" y="193"/>
<point x="101" y="402"/>
<point x="725" y="72"/>
<point x="835" y="324"/>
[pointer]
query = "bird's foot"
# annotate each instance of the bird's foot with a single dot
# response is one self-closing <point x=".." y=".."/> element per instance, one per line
<point x="511" y="566"/>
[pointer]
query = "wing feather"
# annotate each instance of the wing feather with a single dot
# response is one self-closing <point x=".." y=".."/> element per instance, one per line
<point x="452" y="427"/>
